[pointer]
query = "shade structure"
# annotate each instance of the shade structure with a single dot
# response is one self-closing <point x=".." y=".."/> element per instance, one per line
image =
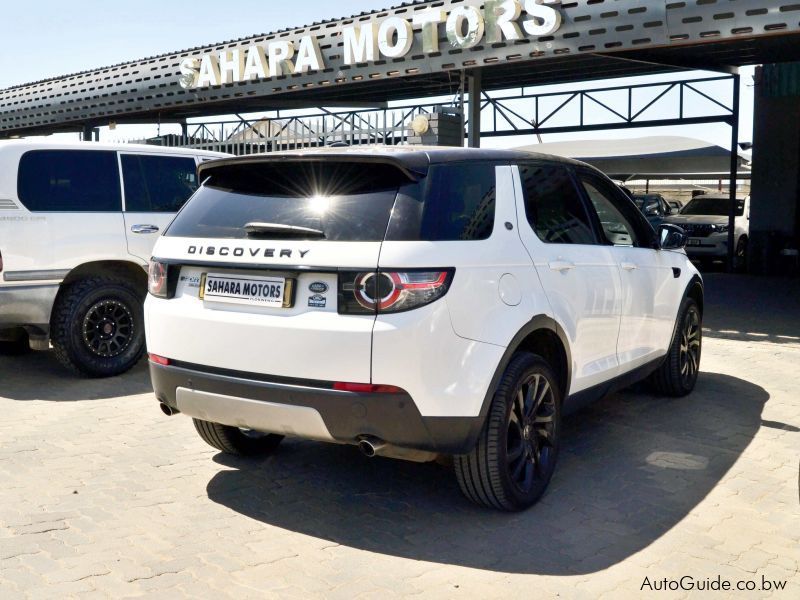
<point x="653" y="157"/>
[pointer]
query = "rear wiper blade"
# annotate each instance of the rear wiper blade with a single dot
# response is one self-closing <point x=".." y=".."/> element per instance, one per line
<point x="257" y="228"/>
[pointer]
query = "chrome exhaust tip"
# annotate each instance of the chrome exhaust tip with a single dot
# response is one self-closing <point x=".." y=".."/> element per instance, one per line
<point x="167" y="409"/>
<point x="370" y="446"/>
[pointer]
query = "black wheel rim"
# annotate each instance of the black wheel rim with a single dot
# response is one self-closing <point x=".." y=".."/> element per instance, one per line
<point x="108" y="328"/>
<point x="691" y="337"/>
<point x="530" y="449"/>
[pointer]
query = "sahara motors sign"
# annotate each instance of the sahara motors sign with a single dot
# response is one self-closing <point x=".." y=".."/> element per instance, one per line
<point x="466" y="27"/>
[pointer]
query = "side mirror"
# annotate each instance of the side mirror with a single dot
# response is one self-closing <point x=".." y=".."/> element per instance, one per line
<point x="671" y="237"/>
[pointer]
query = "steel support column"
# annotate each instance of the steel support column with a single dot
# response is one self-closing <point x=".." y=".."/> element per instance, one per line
<point x="734" y="172"/>
<point x="475" y="79"/>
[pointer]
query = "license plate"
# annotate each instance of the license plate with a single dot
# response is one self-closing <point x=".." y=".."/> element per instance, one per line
<point x="694" y="242"/>
<point x="273" y="292"/>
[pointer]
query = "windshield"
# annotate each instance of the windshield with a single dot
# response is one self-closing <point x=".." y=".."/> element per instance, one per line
<point x="716" y="207"/>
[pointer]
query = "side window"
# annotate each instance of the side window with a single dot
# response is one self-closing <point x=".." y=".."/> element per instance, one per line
<point x="460" y="202"/>
<point x="69" y="181"/>
<point x="157" y="183"/>
<point x="616" y="228"/>
<point x="554" y="207"/>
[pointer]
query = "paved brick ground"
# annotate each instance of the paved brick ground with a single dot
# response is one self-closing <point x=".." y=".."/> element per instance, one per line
<point x="103" y="496"/>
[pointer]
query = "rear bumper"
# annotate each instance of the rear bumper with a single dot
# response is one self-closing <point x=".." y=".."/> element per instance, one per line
<point x="27" y="305"/>
<point x="310" y="410"/>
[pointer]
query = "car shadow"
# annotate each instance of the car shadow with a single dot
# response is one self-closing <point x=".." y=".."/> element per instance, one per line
<point x="38" y="376"/>
<point x="632" y="466"/>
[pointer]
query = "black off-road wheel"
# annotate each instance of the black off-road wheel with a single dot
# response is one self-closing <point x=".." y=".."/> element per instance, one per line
<point x="515" y="457"/>
<point x="97" y="328"/>
<point x="677" y="375"/>
<point x="236" y="441"/>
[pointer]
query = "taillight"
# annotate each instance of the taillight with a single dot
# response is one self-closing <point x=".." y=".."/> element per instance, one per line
<point x="157" y="279"/>
<point x="391" y="291"/>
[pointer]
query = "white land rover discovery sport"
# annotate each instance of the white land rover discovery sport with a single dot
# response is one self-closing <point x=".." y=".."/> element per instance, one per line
<point x="415" y="303"/>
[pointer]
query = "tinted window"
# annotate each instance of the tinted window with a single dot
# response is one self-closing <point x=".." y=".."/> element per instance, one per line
<point x="346" y="201"/>
<point x="717" y="207"/>
<point x="554" y="208"/>
<point x="157" y="183"/>
<point x="615" y="226"/>
<point x="69" y="181"/>
<point x="454" y="202"/>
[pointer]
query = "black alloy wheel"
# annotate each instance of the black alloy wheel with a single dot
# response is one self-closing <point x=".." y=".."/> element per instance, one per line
<point x="97" y="326"/>
<point x="108" y="328"/>
<point x="531" y="433"/>
<point x="690" y="345"/>
<point x="514" y="459"/>
<point x="678" y="374"/>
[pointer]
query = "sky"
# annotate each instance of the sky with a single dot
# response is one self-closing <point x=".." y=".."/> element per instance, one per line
<point x="51" y="41"/>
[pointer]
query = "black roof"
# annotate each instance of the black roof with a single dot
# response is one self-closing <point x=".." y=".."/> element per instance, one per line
<point x="413" y="160"/>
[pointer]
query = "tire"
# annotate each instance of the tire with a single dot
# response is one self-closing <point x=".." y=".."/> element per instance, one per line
<point x="677" y="375"/>
<point x="740" y="258"/>
<point x="97" y="328"/>
<point x="232" y="440"/>
<point x="511" y="465"/>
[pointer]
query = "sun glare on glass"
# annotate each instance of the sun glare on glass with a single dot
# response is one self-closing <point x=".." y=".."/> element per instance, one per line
<point x="319" y="204"/>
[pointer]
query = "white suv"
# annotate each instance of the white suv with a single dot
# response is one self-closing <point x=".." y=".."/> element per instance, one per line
<point x="77" y="226"/>
<point x="705" y="221"/>
<point x="415" y="302"/>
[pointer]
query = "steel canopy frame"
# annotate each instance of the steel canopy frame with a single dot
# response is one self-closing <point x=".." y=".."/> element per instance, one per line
<point x="597" y="39"/>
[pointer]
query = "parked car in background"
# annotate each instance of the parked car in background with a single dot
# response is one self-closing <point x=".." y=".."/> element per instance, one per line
<point x="653" y="206"/>
<point x="415" y="302"/>
<point x="77" y="226"/>
<point x="705" y="220"/>
<point x="675" y="205"/>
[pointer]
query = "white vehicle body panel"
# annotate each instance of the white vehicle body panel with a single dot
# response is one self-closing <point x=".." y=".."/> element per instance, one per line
<point x="294" y="342"/>
<point x="39" y="249"/>
<point x="583" y="289"/>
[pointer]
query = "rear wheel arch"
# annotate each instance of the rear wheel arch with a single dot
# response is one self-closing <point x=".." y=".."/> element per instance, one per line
<point x="108" y="268"/>
<point x="544" y="337"/>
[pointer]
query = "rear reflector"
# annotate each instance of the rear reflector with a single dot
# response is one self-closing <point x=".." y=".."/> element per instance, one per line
<point x="367" y="388"/>
<point x="159" y="360"/>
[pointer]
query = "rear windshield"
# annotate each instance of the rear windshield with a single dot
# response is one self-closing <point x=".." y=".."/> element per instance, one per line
<point x="342" y="202"/>
<point x="346" y="201"/>
<point x="717" y="207"/>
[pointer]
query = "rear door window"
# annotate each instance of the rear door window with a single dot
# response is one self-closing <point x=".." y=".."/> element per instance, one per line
<point x="454" y="202"/>
<point x="157" y="183"/>
<point x="553" y="205"/>
<point x="69" y="181"/>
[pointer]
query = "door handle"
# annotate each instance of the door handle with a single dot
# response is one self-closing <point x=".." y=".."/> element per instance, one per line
<point x="561" y="266"/>
<point x="628" y="266"/>
<point x="144" y="229"/>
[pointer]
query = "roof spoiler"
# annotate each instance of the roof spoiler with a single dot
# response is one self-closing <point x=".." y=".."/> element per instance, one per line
<point x="412" y="165"/>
